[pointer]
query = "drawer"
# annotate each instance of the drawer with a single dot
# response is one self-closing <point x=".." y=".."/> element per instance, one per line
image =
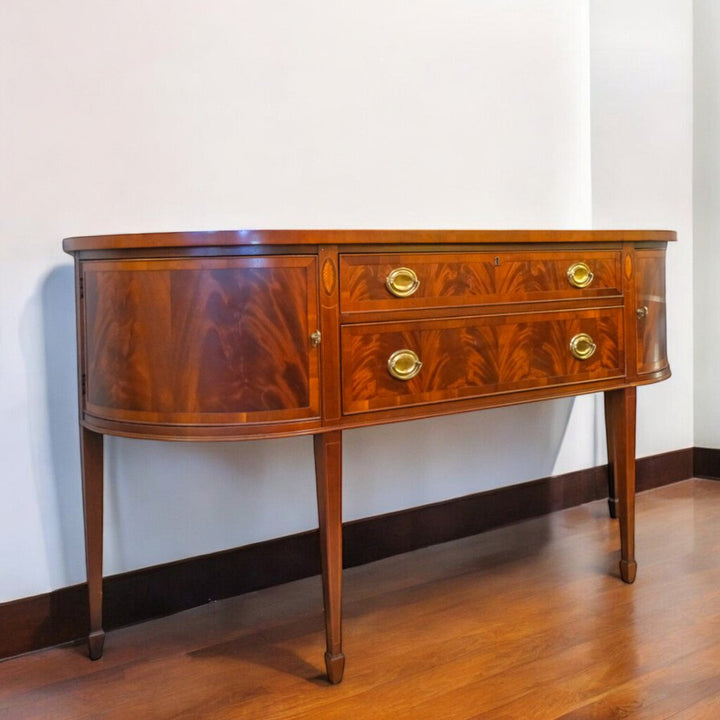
<point x="389" y="365"/>
<point x="429" y="280"/>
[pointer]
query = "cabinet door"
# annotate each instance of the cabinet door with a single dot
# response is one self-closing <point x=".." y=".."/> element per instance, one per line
<point x="651" y="323"/>
<point x="201" y="340"/>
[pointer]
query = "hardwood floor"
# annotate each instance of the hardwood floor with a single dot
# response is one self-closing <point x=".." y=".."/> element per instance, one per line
<point x="530" y="621"/>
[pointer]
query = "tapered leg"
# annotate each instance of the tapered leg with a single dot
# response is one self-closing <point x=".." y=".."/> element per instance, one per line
<point x="91" y="455"/>
<point x="620" y="419"/>
<point x="612" y="495"/>
<point x="328" y="472"/>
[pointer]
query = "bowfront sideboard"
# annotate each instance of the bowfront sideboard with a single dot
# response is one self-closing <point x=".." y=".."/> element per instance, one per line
<point x="262" y="334"/>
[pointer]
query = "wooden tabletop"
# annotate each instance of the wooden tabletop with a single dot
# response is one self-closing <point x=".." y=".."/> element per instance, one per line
<point x="351" y="237"/>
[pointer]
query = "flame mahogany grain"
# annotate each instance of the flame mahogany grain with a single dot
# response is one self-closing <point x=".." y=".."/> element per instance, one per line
<point x="268" y="333"/>
<point x="476" y="356"/>
<point x="462" y="279"/>
<point x="193" y="341"/>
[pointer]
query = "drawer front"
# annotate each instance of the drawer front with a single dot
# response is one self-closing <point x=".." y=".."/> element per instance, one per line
<point x="199" y="341"/>
<point x="424" y="280"/>
<point x="474" y="356"/>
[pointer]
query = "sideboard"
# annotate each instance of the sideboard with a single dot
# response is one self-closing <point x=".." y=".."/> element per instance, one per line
<point x="268" y="333"/>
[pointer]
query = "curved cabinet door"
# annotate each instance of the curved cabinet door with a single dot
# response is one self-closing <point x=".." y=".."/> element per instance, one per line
<point x="651" y="313"/>
<point x="200" y="341"/>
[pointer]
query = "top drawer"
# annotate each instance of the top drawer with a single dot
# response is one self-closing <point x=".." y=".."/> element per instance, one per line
<point x="426" y="280"/>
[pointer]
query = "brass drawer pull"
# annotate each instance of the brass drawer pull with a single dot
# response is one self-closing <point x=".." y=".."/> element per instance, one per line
<point x="404" y="364"/>
<point x="579" y="275"/>
<point x="402" y="282"/>
<point x="642" y="312"/>
<point x="582" y="346"/>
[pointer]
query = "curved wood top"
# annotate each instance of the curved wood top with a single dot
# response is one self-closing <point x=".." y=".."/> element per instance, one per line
<point x="351" y="237"/>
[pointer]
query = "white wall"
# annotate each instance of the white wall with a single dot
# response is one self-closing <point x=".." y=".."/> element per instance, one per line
<point x="642" y="147"/>
<point x="198" y="114"/>
<point x="707" y="223"/>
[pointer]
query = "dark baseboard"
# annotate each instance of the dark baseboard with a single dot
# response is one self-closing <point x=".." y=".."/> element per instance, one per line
<point x="658" y="470"/>
<point x="61" y="616"/>
<point x="706" y="463"/>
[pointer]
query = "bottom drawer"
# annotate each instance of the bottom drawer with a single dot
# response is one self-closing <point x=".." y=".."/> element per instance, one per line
<point x="388" y="365"/>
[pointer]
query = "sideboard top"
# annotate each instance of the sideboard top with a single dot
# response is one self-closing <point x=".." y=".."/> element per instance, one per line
<point x="355" y="237"/>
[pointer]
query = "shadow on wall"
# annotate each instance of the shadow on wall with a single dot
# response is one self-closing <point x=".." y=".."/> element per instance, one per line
<point x="428" y="461"/>
<point x="166" y="501"/>
<point x="172" y="500"/>
<point x="59" y="489"/>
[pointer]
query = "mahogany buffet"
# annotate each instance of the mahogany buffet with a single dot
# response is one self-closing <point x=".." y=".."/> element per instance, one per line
<point x="261" y="334"/>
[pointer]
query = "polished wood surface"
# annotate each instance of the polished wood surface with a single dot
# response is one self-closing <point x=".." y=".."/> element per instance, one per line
<point x="91" y="460"/>
<point x="620" y="409"/>
<point x="526" y="621"/>
<point x="651" y="340"/>
<point x="202" y="340"/>
<point x="255" y="237"/>
<point x="479" y="278"/>
<point x="471" y="357"/>
<point x="328" y="457"/>
<point x="60" y="616"/>
<point x="229" y="335"/>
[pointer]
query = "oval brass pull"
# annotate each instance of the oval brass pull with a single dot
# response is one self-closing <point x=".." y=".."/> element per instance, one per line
<point x="402" y="282"/>
<point x="582" y="346"/>
<point x="642" y="312"/>
<point x="404" y="364"/>
<point x="579" y="275"/>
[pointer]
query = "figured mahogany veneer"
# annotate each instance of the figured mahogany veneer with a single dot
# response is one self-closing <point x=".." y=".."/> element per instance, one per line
<point x="476" y="356"/>
<point x="479" y="278"/>
<point x="235" y="334"/>
<point x="201" y="340"/>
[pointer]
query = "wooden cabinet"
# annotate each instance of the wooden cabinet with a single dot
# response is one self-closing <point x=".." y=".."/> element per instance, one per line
<point x="228" y="335"/>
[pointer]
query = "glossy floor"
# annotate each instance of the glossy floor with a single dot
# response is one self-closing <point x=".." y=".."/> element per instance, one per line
<point x="529" y="621"/>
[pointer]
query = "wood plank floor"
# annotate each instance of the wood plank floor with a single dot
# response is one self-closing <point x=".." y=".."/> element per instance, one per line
<point x="529" y="621"/>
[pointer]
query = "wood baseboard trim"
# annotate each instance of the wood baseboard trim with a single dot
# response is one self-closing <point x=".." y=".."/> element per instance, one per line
<point x="61" y="616"/>
<point x="706" y="463"/>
